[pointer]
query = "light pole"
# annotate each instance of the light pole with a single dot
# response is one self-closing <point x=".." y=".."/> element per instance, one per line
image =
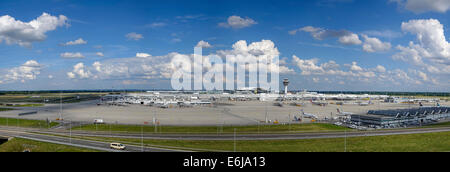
<point x="142" y="138"/>
<point x="60" y="106"/>
<point x="266" y="112"/>
<point x="289" y="121"/>
<point x="70" y="131"/>
<point x="154" y="119"/>
<point x="345" y="142"/>
<point x="234" y="140"/>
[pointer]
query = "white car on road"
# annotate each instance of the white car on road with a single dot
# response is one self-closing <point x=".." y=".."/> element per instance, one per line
<point x="117" y="146"/>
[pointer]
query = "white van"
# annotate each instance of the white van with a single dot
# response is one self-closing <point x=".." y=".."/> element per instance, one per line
<point x="98" y="121"/>
<point x="117" y="146"/>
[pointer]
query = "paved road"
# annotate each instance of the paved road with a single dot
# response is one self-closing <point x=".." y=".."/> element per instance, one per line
<point x="42" y="135"/>
<point x="102" y="146"/>
<point x="230" y="136"/>
<point x="292" y="136"/>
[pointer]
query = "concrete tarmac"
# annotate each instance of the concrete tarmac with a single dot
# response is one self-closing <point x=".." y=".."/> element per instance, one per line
<point x="233" y="113"/>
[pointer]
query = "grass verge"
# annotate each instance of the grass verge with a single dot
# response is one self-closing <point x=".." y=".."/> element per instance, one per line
<point x="312" y="127"/>
<point x="20" y="145"/>
<point x="49" y="97"/>
<point x="427" y="142"/>
<point x="5" y="109"/>
<point x="443" y="124"/>
<point x="27" y="105"/>
<point x="29" y="123"/>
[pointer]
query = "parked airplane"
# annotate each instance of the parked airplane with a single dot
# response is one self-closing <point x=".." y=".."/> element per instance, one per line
<point x="297" y="104"/>
<point x="185" y="104"/>
<point x="278" y="104"/>
<point x="342" y="113"/>
<point x="365" y="104"/>
<point x="161" y="104"/>
<point x="309" y="115"/>
<point x="318" y="103"/>
<point x="165" y="106"/>
<point x="297" y="119"/>
<point x="114" y="104"/>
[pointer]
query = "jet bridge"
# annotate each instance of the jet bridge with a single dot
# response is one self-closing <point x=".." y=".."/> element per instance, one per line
<point x="401" y="117"/>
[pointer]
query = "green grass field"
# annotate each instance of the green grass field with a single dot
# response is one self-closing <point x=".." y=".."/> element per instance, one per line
<point x="27" y="105"/>
<point x="313" y="127"/>
<point x="15" y="122"/>
<point x="428" y="142"/>
<point x="19" y="145"/>
<point x="441" y="124"/>
<point x="37" y="98"/>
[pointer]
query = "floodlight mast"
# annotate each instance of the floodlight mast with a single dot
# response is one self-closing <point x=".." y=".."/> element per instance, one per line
<point x="60" y="105"/>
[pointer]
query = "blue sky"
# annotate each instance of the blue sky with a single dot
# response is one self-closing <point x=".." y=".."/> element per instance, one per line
<point x="378" y="56"/>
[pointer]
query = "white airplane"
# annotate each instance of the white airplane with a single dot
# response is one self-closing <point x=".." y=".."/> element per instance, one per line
<point x="318" y="103"/>
<point x="365" y="104"/>
<point x="185" y="104"/>
<point x="164" y="106"/>
<point x="309" y="115"/>
<point x="278" y="104"/>
<point x="342" y="113"/>
<point x="161" y="104"/>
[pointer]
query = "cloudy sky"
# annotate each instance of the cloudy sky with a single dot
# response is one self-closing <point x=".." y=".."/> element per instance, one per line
<point x="373" y="45"/>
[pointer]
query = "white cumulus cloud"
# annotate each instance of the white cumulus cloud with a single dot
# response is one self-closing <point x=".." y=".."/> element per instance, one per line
<point x="380" y="69"/>
<point x="162" y="67"/>
<point x="421" y="6"/>
<point x="431" y="52"/>
<point x="27" y="71"/>
<point x="344" y="37"/>
<point x="79" y="71"/>
<point x="156" y="25"/>
<point x="375" y="45"/>
<point x="237" y="22"/>
<point x="69" y="55"/>
<point x="355" y="67"/>
<point x="350" y="39"/>
<point x="143" y="55"/>
<point x="311" y="67"/>
<point x="203" y="44"/>
<point x="354" y="73"/>
<point x="134" y="36"/>
<point x="79" y="41"/>
<point x="320" y="33"/>
<point x="14" y="31"/>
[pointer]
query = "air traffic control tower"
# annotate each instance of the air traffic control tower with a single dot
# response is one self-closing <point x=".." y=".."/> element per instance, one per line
<point x="285" y="83"/>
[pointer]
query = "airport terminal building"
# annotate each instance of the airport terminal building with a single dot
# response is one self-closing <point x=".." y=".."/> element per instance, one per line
<point x="402" y="117"/>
